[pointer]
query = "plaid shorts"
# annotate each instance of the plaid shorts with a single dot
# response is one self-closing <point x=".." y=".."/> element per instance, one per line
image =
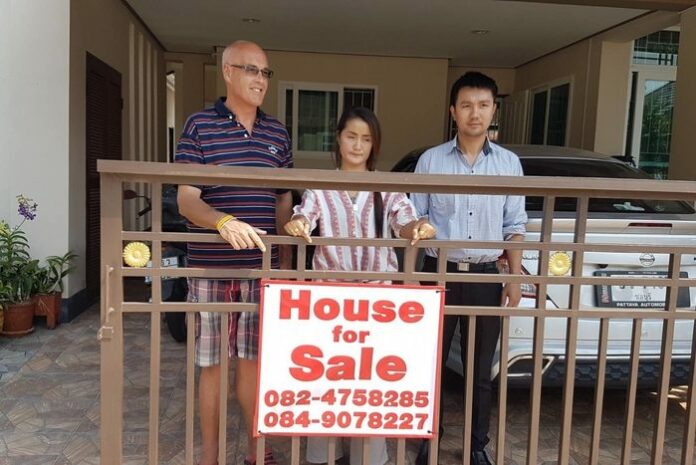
<point x="243" y="328"/>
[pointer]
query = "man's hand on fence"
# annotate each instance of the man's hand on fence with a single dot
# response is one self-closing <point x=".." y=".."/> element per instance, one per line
<point x="242" y="235"/>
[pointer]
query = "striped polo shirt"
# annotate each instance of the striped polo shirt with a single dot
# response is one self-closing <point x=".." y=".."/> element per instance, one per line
<point x="215" y="137"/>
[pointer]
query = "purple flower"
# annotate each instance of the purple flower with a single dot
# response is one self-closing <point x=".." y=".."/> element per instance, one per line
<point x="27" y="207"/>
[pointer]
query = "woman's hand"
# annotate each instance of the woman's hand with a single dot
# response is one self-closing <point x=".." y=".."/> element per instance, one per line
<point x="423" y="230"/>
<point x="298" y="227"/>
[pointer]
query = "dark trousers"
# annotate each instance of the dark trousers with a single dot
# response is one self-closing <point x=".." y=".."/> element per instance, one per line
<point x="487" y="333"/>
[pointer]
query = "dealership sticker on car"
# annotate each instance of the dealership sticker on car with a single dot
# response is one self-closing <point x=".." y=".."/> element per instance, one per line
<point x="637" y="296"/>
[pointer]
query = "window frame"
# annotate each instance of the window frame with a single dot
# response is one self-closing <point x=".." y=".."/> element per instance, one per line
<point x="674" y="62"/>
<point x="296" y="87"/>
<point x="644" y="73"/>
<point x="548" y="87"/>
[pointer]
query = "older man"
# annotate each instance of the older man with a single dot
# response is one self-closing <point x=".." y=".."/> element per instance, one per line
<point x="235" y="132"/>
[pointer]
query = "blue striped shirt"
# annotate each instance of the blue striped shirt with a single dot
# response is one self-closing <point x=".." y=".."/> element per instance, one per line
<point x="215" y="137"/>
<point x="475" y="217"/>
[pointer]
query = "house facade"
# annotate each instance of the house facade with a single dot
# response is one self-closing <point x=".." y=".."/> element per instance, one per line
<point x="87" y="79"/>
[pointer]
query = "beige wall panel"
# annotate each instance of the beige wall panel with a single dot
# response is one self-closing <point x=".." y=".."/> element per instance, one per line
<point x="682" y="163"/>
<point x="210" y="90"/>
<point x="410" y="93"/>
<point x="613" y="97"/>
<point x="590" y="105"/>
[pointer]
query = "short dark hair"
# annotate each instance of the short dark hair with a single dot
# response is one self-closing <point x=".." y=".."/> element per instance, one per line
<point x="473" y="79"/>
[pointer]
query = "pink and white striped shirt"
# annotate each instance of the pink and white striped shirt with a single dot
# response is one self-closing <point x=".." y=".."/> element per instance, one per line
<point x="338" y="216"/>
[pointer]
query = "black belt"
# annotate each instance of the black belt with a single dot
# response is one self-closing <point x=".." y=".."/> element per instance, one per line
<point x="464" y="267"/>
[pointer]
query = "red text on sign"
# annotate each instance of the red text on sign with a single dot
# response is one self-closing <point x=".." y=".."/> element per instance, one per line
<point x="382" y="311"/>
<point x="310" y="367"/>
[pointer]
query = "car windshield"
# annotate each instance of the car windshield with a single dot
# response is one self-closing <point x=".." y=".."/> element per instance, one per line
<point x="597" y="169"/>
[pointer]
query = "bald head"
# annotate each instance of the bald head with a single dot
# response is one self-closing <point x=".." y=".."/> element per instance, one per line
<point x="239" y="47"/>
<point x="243" y="66"/>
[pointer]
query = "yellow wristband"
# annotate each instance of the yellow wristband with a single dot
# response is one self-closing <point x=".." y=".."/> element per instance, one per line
<point x="221" y="222"/>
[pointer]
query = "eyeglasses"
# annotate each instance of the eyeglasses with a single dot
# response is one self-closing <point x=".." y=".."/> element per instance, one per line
<point x="253" y="70"/>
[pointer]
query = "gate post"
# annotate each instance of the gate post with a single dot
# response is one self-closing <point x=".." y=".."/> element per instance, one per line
<point x="111" y="331"/>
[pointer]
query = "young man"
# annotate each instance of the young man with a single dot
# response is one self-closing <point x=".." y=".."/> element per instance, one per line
<point x="235" y="132"/>
<point x="473" y="217"/>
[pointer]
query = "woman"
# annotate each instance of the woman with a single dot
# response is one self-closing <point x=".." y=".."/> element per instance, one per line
<point x="356" y="214"/>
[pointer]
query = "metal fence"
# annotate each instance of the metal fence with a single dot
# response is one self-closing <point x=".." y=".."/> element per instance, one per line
<point x="113" y="308"/>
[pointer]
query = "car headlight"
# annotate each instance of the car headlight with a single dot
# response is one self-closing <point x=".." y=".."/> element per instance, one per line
<point x="559" y="263"/>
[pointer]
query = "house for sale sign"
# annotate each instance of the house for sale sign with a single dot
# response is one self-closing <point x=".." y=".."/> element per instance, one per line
<point x="348" y="359"/>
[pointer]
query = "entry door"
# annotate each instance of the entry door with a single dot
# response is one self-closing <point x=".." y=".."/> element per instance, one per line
<point x="652" y="122"/>
<point x="103" y="141"/>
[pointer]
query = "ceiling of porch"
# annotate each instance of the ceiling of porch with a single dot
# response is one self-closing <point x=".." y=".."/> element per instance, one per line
<point x="493" y="33"/>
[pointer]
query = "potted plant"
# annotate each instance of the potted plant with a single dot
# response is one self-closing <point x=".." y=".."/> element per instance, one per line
<point x="4" y="289"/>
<point x="19" y="273"/>
<point x="49" y="287"/>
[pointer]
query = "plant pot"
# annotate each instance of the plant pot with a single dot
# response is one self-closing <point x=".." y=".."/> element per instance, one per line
<point x="19" y="319"/>
<point x="48" y="305"/>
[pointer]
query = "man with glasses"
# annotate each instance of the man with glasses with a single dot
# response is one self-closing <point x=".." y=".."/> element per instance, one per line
<point x="235" y="132"/>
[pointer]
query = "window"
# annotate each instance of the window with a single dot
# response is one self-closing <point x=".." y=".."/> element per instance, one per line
<point x="311" y="112"/>
<point x="656" y="134"/>
<point x="358" y="98"/>
<point x="653" y="83"/>
<point x="549" y="119"/>
<point x="659" y="48"/>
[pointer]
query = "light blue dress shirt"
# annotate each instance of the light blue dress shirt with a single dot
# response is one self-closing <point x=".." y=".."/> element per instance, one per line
<point x="475" y="217"/>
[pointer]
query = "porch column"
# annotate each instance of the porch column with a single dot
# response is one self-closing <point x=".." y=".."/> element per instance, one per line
<point x="614" y="83"/>
<point x="682" y="162"/>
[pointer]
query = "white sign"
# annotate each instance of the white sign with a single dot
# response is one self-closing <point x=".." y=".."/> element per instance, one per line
<point x="348" y="359"/>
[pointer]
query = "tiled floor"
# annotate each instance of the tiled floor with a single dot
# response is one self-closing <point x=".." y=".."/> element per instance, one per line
<point x="49" y="407"/>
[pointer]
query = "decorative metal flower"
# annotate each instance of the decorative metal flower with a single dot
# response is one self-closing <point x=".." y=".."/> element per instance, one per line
<point x="136" y="254"/>
<point x="559" y="263"/>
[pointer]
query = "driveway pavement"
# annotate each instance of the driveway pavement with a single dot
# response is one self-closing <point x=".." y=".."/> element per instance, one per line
<point x="49" y="407"/>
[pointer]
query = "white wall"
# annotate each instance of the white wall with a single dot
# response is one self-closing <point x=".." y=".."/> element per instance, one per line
<point x="34" y="82"/>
